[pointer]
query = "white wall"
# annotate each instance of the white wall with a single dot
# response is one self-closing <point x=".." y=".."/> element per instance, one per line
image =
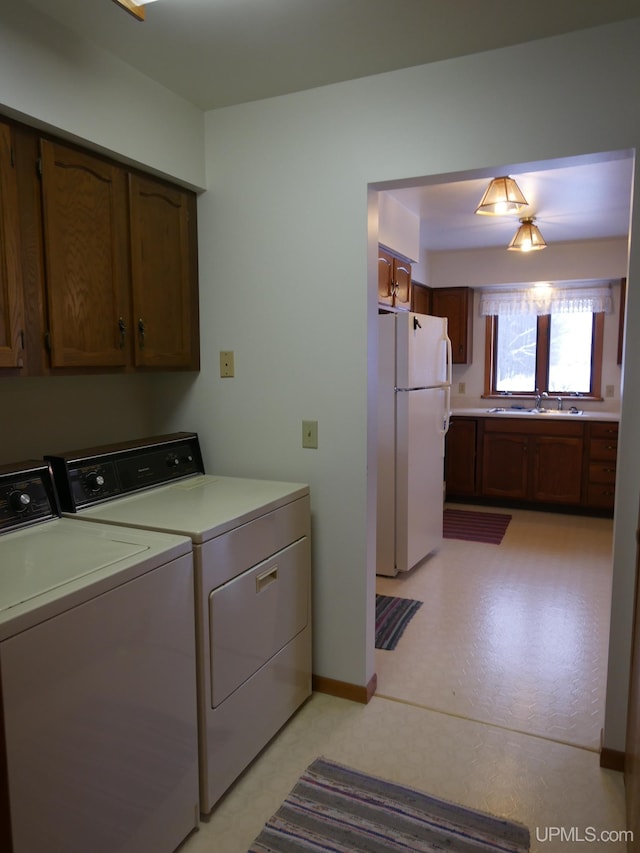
<point x="51" y="78"/>
<point x="288" y="238"/>
<point x="588" y="259"/>
<point x="398" y="227"/>
<point x="288" y="283"/>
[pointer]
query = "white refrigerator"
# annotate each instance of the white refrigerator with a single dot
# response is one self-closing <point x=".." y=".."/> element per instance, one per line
<point x="414" y="382"/>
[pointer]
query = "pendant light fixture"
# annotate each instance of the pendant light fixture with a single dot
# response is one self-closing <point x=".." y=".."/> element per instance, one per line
<point x="134" y="7"/>
<point x="502" y="196"/>
<point x="527" y="238"/>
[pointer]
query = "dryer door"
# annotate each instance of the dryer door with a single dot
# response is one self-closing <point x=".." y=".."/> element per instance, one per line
<point x="255" y="615"/>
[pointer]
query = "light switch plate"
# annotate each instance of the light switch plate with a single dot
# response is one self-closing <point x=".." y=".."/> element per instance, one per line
<point x="310" y="434"/>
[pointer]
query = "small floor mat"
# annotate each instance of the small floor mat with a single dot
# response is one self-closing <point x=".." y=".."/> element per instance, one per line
<point x="392" y="617"/>
<point x="488" y="527"/>
<point x="336" y="808"/>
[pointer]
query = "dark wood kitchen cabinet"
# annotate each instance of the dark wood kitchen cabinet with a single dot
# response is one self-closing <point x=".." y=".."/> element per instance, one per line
<point x="556" y="469"/>
<point x="84" y="210"/>
<point x="505" y="465"/>
<point x="460" y="457"/>
<point x="456" y="304"/>
<point x="163" y="274"/>
<point x="11" y="292"/>
<point x="108" y="257"/>
<point x="600" y="464"/>
<point x="532" y="460"/>
<point x="394" y="280"/>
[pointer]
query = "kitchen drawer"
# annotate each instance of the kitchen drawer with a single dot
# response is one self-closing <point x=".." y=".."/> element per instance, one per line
<point x="601" y="495"/>
<point x="603" y="448"/>
<point x="603" y="429"/>
<point x="602" y="472"/>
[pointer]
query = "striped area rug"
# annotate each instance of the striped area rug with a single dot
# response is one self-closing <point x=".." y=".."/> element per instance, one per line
<point x="392" y="617"/>
<point x="334" y="808"/>
<point x="473" y="526"/>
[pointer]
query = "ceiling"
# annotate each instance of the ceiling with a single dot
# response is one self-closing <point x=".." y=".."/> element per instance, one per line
<point x="580" y="199"/>
<point x="216" y="53"/>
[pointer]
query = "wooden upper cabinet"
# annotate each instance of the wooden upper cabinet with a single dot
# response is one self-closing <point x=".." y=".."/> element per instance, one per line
<point x="394" y="280"/>
<point x="402" y="278"/>
<point x="163" y="274"/>
<point x="385" y="277"/>
<point x="456" y="304"/>
<point x="11" y="299"/>
<point x="86" y="249"/>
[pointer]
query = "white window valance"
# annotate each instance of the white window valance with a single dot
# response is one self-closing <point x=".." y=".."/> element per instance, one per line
<point x="547" y="300"/>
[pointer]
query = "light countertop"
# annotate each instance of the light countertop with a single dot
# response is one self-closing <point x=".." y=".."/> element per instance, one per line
<point x="507" y="412"/>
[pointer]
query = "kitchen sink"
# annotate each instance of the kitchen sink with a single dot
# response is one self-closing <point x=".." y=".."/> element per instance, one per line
<point x="561" y="412"/>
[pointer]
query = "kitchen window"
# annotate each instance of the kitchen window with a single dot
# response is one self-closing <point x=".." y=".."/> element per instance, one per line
<point x="545" y="341"/>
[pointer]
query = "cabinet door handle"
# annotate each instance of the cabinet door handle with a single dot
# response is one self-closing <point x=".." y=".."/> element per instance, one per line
<point x="123" y="329"/>
<point x="141" y="332"/>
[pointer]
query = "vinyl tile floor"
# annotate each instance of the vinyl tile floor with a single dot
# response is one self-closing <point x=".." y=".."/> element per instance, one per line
<point x="514" y="634"/>
<point x="478" y="729"/>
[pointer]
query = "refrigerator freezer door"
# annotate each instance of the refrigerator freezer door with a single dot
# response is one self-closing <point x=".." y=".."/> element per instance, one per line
<point x="422" y="351"/>
<point x="419" y="475"/>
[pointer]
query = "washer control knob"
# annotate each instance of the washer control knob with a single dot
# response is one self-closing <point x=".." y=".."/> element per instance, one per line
<point x="172" y="460"/>
<point x="19" y="501"/>
<point x="94" y="481"/>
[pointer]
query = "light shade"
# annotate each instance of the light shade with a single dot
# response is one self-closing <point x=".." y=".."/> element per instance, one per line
<point x="502" y="196"/>
<point x="134" y="7"/>
<point x="527" y="238"/>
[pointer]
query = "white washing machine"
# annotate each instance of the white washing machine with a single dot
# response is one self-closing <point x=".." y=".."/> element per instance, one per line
<point x="97" y="752"/>
<point x="251" y="549"/>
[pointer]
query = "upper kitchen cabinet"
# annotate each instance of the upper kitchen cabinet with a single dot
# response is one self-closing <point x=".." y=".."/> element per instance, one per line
<point x="11" y="296"/>
<point x="84" y="209"/>
<point x="394" y="280"/>
<point x="163" y="274"/>
<point x="456" y="304"/>
<point x="107" y="260"/>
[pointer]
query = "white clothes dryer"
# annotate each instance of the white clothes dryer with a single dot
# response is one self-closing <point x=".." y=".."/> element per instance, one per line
<point x="251" y="551"/>
<point x="98" y="742"/>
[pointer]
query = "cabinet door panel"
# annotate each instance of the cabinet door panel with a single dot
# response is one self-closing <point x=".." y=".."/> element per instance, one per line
<point x="460" y="458"/>
<point x="84" y="210"/>
<point x="161" y="274"/>
<point x="504" y="465"/>
<point x="557" y="470"/>
<point x="456" y="304"/>
<point x="11" y="299"/>
<point x="402" y="279"/>
<point x="385" y="277"/>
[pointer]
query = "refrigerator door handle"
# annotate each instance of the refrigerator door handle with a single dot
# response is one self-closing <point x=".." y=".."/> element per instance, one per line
<point x="446" y="415"/>
<point x="444" y="361"/>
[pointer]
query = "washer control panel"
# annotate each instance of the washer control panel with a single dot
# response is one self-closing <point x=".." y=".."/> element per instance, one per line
<point x="27" y="495"/>
<point x="87" y="477"/>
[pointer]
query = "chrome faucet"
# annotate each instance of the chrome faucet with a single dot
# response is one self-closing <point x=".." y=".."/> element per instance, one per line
<point x="539" y="398"/>
<point x="559" y="403"/>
